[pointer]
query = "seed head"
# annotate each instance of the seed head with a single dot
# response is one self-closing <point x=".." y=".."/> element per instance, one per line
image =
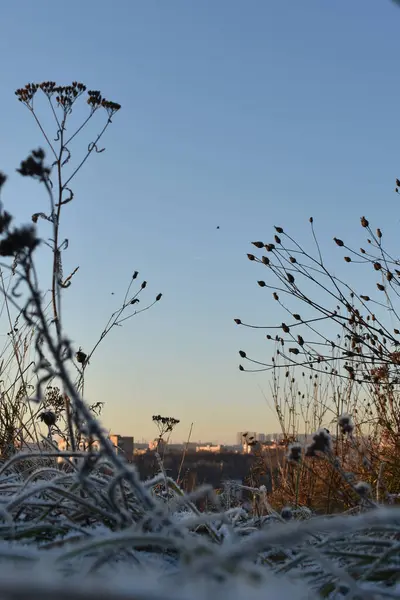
<point x="19" y="240"/>
<point x="346" y="424"/>
<point x="294" y="453"/>
<point x="3" y="179"/>
<point x="80" y="357"/>
<point x="286" y="513"/>
<point x="258" y="244"/>
<point x="48" y="418"/>
<point x="322" y="442"/>
<point x="364" y="222"/>
<point x="338" y="242"/>
<point x="363" y="489"/>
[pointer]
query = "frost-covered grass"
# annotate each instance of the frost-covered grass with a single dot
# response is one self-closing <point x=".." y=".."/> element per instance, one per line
<point x="91" y="529"/>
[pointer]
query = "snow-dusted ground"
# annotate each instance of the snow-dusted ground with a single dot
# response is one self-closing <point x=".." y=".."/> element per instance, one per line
<point x="85" y="534"/>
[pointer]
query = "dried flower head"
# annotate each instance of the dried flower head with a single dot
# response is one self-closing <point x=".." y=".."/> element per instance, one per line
<point x="20" y="240"/>
<point x="286" y="513"/>
<point x="294" y="453"/>
<point x="48" y="418"/>
<point x="5" y="220"/>
<point x="34" y="166"/>
<point x="3" y="179"/>
<point x="362" y="488"/>
<point x="346" y="424"/>
<point x="26" y="94"/>
<point x="81" y="357"/>
<point x="322" y="442"/>
<point x="290" y="277"/>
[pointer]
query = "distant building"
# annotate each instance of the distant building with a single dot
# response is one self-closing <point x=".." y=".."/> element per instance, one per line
<point x="209" y="448"/>
<point x="157" y="444"/>
<point x="123" y="445"/>
<point x="235" y="448"/>
<point x="140" y="448"/>
<point x="261" y="437"/>
<point x="83" y="446"/>
<point x="175" y="447"/>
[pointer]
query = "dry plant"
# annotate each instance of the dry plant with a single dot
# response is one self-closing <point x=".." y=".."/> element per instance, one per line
<point x="19" y="418"/>
<point x="337" y="351"/>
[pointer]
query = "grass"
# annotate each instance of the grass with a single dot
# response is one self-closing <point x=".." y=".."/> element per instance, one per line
<point x="75" y="522"/>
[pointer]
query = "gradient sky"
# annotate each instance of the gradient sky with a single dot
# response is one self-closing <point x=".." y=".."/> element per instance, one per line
<point x="238" y="114"/>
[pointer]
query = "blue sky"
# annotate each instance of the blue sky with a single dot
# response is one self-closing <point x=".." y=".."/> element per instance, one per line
<point x="237" y="114"/>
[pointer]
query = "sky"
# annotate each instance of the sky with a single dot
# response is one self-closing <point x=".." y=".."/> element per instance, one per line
<point x="242" y="115"/>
